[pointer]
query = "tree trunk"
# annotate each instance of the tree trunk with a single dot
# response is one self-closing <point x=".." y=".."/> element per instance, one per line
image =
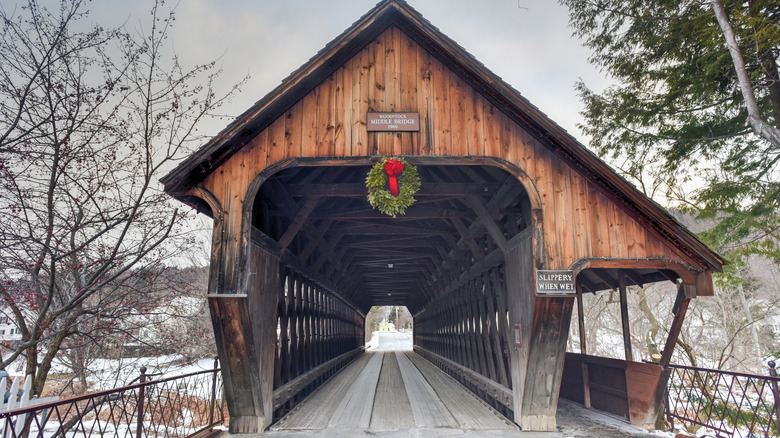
<point x="42" y="370"/>
<point x="655" y="326"/>
<point x="757" y="123"/>
<point x="756" y="355"/>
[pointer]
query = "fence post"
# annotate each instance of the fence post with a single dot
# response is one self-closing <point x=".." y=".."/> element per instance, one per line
<point x="213" y="390"/>
<point x="667" y="407"/>
<point x="141" y="394"/>
<point x="773" y="373"/>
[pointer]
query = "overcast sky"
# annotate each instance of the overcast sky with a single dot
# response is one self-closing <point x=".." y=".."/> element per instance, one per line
<point x="525" y="42"/>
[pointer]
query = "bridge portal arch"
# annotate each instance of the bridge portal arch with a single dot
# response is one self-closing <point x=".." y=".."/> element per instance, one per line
<point x="505" y="193"/>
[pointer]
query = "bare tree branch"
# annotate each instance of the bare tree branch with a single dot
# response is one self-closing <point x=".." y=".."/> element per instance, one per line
<point x="88" y="121"/>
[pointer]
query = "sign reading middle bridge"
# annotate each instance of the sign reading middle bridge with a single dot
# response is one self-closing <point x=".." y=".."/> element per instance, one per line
<point x="555" y="282"/>
<point x="393" y="121"/>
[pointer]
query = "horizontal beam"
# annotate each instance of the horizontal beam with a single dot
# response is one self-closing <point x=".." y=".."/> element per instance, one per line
<point x="415" y="212"/>
<point x="402" y="244"/>
<point x="390" y="228"/>
<point x="359" y="189"/>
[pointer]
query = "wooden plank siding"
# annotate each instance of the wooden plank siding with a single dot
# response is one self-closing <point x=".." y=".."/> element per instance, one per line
<point x="505" y="192"/>
<point x="393" y="73"/>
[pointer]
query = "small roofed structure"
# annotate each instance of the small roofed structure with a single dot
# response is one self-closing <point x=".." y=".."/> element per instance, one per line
<point x="513" y="221"/>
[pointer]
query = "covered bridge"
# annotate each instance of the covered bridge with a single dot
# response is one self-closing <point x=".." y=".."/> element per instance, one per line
<point x="299" y="255"/>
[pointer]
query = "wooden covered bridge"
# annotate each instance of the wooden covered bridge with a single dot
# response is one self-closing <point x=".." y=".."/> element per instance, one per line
<point x="506" y="196"/>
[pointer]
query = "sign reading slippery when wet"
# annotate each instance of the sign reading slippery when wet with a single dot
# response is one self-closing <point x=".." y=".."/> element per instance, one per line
<point x="555" y="282"/>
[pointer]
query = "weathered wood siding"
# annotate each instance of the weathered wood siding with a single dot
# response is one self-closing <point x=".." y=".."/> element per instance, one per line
<point x="245" y="327"/>
<point x="393" y="73"/>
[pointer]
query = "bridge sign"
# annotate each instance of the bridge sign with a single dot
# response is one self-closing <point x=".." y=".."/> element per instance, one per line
<point x="392" y="122"/>
<point x="555" y="282"/>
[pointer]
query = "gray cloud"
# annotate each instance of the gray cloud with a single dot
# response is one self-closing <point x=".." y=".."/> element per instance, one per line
<point x="526" y="42"/>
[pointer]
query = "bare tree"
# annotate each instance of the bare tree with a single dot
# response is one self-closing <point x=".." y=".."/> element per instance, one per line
<point x="163" y="312"/>
<point x="89" y="118"/>
<point x="722" y="332"/>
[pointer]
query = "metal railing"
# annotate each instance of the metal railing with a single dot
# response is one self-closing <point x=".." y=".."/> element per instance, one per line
<point x="725" y="404"/>
<point x="174" y="407"/>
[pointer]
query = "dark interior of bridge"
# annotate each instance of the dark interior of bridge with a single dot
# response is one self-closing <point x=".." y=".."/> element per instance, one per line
<point x="376" y="260"/>
<point x="321" y="217"/>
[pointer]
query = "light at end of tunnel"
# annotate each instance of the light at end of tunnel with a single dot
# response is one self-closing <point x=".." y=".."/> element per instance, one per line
<point x="389" y="265"/>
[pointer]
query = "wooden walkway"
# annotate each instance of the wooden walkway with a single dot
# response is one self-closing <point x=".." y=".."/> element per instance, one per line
<point x="392" y="390"/>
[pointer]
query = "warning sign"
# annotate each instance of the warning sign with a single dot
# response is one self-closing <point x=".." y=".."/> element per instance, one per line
<point x="555" y="282"/>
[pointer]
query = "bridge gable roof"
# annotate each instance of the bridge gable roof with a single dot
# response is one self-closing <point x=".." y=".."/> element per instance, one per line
<point x="398" y="13"/>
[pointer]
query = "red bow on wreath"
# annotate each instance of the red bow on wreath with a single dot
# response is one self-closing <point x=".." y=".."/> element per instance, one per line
<point x="393" y="169"/>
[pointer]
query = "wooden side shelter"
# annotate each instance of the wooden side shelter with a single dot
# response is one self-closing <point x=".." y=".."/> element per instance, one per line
<point x="299" y="256"/>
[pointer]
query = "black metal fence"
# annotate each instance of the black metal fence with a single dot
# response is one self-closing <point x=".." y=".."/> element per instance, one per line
<point x="725" y="404"/>
<point x="173" y="407"/>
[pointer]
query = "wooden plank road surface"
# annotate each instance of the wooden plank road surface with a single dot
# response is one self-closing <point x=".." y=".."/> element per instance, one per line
<point x="392" y="390"/>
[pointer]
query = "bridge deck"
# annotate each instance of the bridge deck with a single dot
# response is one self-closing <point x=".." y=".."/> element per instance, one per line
<point x="392" y="390"/>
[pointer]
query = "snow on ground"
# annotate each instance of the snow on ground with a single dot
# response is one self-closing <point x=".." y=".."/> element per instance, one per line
<point x="107" y="374"/>
<point x="112" y="373"/>
<point x="390" y="341"/>
<point x="574" y="421"/>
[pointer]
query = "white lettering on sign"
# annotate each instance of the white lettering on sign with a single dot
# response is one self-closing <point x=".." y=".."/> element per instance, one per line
<point x="555" y="282"/>
<point x="393" y="122"/>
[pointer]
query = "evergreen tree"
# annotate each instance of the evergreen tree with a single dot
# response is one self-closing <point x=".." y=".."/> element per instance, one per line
<point x="677" y="116"/>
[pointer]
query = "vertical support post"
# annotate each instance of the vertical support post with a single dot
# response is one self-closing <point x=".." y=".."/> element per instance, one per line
<point x="521" y="302"/>
<point x="775" y="393"/>
<point x="679" y="310"/>
<point x="547" y="354"/>
<point x="669" y="416"/>
<point x="503" y="326"/>
<point x="262" y="283"/>
<point x="299" y="338"/>
<point x="139" y="428"/>
<point x="245" y="330"/>
<point x="583" y="349"/>
<point x="624" y="316"/>
<point x="213" y="391"/>
<point x="581" y="321"/>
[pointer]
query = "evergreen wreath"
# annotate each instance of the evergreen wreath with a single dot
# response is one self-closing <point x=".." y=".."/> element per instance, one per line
<point x="380" y="184"/>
